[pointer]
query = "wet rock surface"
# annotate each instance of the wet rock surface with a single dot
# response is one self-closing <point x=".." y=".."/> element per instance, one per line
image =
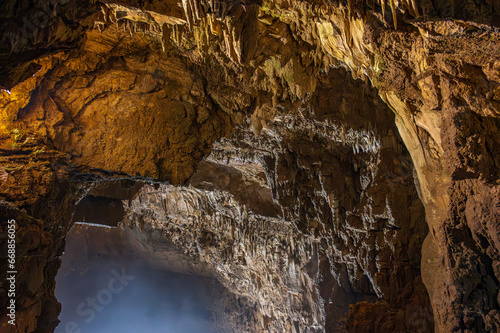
<point x="357" y="141"/>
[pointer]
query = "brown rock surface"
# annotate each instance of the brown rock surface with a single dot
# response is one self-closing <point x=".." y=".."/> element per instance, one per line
<point x="305" y="161"/>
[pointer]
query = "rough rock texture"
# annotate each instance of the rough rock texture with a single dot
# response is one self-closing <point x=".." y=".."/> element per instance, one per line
<point x="30" y="29"/>
<point x="263" y="91"/>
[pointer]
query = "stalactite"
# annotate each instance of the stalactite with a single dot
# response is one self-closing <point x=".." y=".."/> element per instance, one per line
<point x="165" y="37"/>
<point x="394" y="16"/>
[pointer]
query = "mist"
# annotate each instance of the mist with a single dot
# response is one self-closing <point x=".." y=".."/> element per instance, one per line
<point x="102" y="289"/>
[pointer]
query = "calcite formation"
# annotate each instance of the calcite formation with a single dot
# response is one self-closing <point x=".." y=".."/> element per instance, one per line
<point x="334" y="165"/>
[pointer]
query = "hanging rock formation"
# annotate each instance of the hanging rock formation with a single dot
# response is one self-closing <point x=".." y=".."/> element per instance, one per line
<point x="334" y="165"/>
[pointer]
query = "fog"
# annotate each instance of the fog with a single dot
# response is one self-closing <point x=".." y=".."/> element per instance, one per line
<point x="109" y="293"/>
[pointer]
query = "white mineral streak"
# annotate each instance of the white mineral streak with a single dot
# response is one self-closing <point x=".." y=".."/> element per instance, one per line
<point x="95" y="225"/>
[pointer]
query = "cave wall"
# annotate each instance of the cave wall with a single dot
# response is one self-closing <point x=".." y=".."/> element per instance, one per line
<point x="302" y="91"/>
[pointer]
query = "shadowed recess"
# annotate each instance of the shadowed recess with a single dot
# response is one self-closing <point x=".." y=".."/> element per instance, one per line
<point x="106" y="286"/>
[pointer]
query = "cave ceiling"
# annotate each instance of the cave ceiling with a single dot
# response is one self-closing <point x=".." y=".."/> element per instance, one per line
<point x="333" y="165"/>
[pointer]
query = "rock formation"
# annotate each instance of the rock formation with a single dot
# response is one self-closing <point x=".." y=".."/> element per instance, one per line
<point x="334" y="165"/>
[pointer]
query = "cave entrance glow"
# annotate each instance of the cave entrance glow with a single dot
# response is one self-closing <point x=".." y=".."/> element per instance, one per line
<point x="105" y="284"/>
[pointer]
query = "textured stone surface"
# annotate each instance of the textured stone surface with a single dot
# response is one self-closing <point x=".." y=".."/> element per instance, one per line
<point x="146" y="88"/>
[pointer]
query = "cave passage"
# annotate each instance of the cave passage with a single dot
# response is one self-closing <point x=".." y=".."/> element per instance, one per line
<point x="104" y="285"/>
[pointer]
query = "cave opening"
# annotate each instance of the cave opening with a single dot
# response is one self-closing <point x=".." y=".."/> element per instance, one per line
<point x="108" y="282"/>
